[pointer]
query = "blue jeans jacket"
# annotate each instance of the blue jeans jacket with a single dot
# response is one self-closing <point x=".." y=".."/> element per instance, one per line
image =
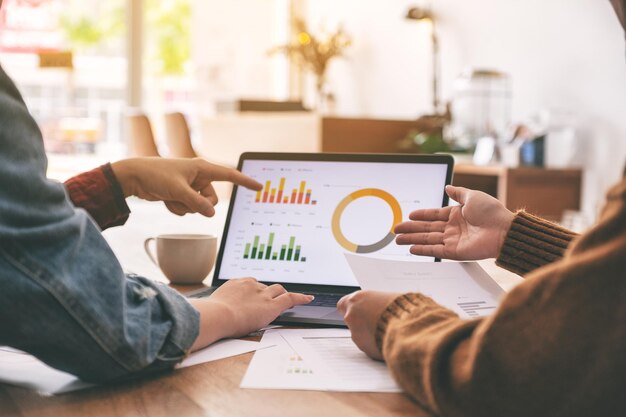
<point x="63" y="295"/>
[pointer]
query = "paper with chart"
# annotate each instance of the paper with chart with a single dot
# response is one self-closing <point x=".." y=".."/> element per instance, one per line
<point x="316" y="359"/>
<point x="341" y="362"/>
<point x="463" y="287"/>
<point x="280" y="367"/>
<point x="21" y="369"/>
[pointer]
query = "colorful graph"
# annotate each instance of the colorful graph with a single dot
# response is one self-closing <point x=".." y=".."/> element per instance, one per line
<point x="295" y="365"/>
<point x="271" y="195"/>
<point x="266" y="252"/>
<point x="367" y="192"/>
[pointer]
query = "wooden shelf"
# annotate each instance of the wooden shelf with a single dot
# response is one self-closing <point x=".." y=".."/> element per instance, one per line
<point x="545" y="192"/>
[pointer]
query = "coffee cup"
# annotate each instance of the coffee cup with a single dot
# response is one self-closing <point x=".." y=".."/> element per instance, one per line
<point x="184" y="259"/>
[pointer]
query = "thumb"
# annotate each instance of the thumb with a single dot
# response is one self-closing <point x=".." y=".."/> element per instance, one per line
<point x="458" y="194"/>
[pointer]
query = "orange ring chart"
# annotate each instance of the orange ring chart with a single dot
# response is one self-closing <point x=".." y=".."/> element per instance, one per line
<point x="366" y="192"/>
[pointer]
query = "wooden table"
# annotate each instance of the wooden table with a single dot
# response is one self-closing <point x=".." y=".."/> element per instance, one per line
<point x="210" y="389"/>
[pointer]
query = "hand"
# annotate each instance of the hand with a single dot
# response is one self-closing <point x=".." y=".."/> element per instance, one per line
<point x="361" y="311"/>
<point x="475" y="229"/>
<point x="241" y="306"/>
<point x="183" y="184"/>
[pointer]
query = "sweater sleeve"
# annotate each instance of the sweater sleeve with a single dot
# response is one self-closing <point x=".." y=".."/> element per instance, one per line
<point x="100" y="194"/>
<point x="555" y="347"/>
<point x="531" y="243"/>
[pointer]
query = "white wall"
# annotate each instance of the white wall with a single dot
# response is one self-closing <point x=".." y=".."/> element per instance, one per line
<point x="567" y="55"/>
<point x="230" y="40"/>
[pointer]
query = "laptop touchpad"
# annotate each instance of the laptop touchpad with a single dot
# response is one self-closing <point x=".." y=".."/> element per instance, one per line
<point x="334" y="315"/>
<point x="312" y="312"/>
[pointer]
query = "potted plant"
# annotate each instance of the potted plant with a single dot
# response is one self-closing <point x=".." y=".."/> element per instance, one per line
<point x="315" y="52"/>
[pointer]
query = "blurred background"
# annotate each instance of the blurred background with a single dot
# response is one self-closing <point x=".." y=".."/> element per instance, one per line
<point x="529" y="95"/>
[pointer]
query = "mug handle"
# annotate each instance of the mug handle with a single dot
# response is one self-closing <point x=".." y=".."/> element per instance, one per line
<point x="146" y="246"/>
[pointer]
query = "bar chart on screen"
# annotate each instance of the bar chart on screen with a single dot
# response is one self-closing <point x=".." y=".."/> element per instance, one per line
<point x="269" y="252"/>
<point x="272" y="195"/>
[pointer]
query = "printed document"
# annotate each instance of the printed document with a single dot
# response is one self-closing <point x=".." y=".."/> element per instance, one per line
<point x="316" y="359"/>
<point x="463" y="287"/>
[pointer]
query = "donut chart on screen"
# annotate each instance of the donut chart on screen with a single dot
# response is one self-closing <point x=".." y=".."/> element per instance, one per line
<point x="366" y="192"/>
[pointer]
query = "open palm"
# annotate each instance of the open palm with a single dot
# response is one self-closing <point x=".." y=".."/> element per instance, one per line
<point x="473" y="230"/>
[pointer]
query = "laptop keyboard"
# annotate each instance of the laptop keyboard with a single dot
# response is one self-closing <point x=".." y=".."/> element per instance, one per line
<point x="321" y="299"/>
<point x="325" y="299"/>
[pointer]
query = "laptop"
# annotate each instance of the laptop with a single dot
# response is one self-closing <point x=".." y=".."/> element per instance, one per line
<point x="314" y="209"/>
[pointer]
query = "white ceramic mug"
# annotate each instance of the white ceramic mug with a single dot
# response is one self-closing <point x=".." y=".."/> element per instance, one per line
<point x="184" y="259"/>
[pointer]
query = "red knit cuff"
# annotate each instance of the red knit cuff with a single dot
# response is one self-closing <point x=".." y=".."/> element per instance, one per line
<point x="100" y="194"/>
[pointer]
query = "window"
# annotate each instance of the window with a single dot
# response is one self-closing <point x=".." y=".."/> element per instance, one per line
<point x="67" y="58"/>
<point x="168" y="76"/>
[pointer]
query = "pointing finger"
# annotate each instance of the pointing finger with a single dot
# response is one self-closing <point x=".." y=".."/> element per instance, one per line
<point x="290" y="299"/>
<point x="220" y="173"/>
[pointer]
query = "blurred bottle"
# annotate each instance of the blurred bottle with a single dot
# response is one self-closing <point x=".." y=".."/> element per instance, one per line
<point x="481" y="107"/>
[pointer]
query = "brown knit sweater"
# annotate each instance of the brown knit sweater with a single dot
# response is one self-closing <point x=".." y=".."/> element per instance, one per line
<point x="555" y="347"/>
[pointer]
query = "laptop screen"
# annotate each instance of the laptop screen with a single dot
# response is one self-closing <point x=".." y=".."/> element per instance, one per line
<point x="315" y="208"/>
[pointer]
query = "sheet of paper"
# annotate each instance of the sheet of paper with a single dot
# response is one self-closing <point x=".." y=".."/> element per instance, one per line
<point x="280" y="367"/>
<point x="21" y="369"/>
<point x="24" y="370"/>
<point x="341" y="363"/>
<point x="221" y="350"/>
<point x="463" y="287"/>
<point x="316" y="359"/>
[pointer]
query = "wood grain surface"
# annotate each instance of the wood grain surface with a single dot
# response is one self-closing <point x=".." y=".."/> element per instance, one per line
<point x="210" y="389"/>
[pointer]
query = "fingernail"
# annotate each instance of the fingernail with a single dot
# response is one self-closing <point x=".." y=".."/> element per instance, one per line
<point x="311" y="297"/>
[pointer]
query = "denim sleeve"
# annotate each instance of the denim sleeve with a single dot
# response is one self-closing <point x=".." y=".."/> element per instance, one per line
<point x="63" y="295"/>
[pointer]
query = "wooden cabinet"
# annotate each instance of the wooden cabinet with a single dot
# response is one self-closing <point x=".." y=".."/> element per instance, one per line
<point x="541" y="191"/>
<point x="365" y="135"/>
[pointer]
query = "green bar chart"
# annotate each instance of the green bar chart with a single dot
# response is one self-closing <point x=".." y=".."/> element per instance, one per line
<point x="290" y="252"/>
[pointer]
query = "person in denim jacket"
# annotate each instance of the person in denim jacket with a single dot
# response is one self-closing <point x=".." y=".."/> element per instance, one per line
<point x="63" y="295"/>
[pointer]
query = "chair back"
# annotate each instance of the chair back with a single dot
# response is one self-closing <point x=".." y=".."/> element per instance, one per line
<point x="141" y="137"/>
<point x="178" y="136"/>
